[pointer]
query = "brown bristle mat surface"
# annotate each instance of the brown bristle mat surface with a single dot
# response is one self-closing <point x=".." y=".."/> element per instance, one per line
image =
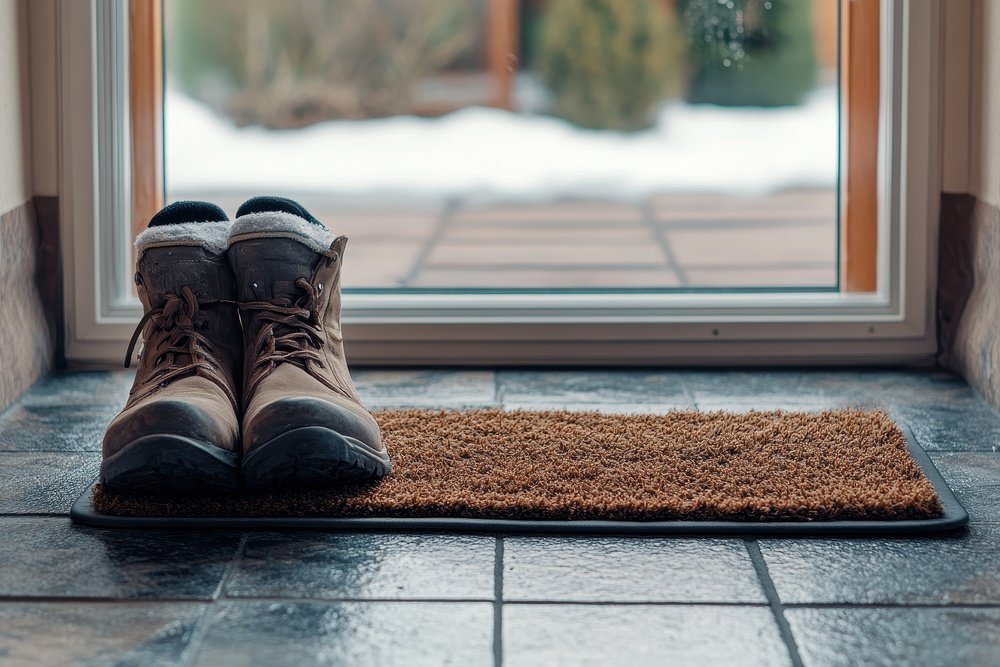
<point x="490" y="464"/>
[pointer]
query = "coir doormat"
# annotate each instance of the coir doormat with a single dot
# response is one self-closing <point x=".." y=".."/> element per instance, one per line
<point x="842" y="471"/>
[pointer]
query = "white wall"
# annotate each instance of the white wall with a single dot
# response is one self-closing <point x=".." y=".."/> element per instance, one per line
<point x="42" y="84"/>
<point x="15" y="130"/>
<point x="984" y="145"/>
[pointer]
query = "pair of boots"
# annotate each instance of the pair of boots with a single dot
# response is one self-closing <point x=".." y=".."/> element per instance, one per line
<point x="242" y="378"/>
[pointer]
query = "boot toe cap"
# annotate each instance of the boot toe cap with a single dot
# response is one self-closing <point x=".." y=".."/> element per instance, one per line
<point x="166" y="417"/>
<point x="287" y="414"/>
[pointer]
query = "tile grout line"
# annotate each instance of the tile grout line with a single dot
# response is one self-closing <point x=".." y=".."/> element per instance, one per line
<point x="774" y="602"/>
<point x="207" y="615"/>
<point x="220" y="591"/>
<point x="205" y="602"/>
<point x="688" y="393"/>
<point x="498" y="603"/>
<point x="194" y="646"/>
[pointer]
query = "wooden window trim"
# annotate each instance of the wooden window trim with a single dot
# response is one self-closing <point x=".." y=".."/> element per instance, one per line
<point x="146" y="107"/>
<point x="859" y="86"/>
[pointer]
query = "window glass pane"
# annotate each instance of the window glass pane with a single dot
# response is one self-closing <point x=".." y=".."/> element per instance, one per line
<point x="533" y="145"/>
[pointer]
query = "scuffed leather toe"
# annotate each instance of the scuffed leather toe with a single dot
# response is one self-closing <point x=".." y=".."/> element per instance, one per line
<point x="164" y="417"/>
<point x="287" y="414"/>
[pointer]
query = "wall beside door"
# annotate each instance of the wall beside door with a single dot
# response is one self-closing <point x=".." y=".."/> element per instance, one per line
<point x="26" y="341"/>
<point x="969" y="251"/>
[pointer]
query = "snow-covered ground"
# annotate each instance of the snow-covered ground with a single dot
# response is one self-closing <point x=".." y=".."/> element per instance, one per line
<point x="488" y="154"/>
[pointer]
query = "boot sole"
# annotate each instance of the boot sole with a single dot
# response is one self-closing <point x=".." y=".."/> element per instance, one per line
<point x="166" y="464"/>
<point x="311" y="457"/>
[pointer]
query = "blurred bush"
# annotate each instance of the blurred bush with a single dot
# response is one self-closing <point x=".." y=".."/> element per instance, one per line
<point x="608" y="63"/>
<point x="297" y="62"/>
<point x="749" y="52"/>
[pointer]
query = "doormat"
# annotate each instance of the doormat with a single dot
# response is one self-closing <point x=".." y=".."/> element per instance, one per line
<point x="841" y="471"/>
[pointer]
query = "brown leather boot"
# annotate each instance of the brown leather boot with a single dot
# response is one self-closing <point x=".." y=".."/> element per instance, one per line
<point x="179" y="431"/>
<point x="303" y="423"/>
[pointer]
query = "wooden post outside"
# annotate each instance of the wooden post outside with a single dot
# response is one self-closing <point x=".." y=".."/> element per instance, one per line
<point x="501" y="49"/>
<point x="860" y="112"/>
<point x="146" y="100"/>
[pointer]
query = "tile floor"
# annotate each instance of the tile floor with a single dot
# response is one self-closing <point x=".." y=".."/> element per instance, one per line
<point x="74" y="595"/>
<point x="680" y="241"/>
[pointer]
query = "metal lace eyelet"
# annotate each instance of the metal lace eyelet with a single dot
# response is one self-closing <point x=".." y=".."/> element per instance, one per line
<point x="320" y="287"/>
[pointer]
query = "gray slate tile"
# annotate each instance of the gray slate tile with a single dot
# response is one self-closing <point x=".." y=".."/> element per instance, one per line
<point x="744" y="386"/>
<point x="95" y="388"/>
<point x="896" y="636"/>
<point x="73" y="633"/>
<point x="975" y="479"/>
<point x="54" y="428"/>
<point x="836" y="388"/>
<point x="50" y="557"/>
<point x="603" y="569"/>
<point x="960" y="569"/>
<point x="566" y="389"/>
<point x="426" y="388"/>
<point x="770" y="403"/>
<point x="44" y="482"/>
<point x="953" y="427"/>
<point x="638" y="635"/>
<point x="365" y="565"/>
<point x="382" y="634"/>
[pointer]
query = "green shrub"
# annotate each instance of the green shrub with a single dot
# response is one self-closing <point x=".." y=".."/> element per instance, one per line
<point x="749" y="52"/>
<point x="607" y="63"/>
<point x="297" y="62"/>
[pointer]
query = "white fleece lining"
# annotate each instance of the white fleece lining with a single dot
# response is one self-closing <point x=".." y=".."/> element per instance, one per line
<point x="281" y="224"/>
<point x="212" y="236"/>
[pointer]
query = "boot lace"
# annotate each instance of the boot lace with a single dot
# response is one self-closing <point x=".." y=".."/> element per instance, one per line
<point x="292" y="333"/>
<point x="176" y="347"/>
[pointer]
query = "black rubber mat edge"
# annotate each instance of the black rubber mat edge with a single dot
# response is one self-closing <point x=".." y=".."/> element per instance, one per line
<point x="954" y="517"/>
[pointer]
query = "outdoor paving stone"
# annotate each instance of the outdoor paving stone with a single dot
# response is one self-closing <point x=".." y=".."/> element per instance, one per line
<point x="46" y="482"/>
<point x="50" y="557"/>
<point x="956" y="569"/>
<point x="593" y="387"/>
<point x="975" y="479"/>
<point x="745" y="246"/>
<point x="801" y="203"/>
<point x="71" y="633"/>
<point x="365" y="565"/>
<point x="637" y="635"/>
<point x="576" y="277"/>
<point x="382" y="634"/>
<point x="778" y="275"/>
<point x="515" y="253"/>
<point x="896" y="636"/>
<point x="567" y="234"/>
<point x="67" y="428"/>
<point x="568" y="211"/>
<point x="426" y="388"/>
<point x="99" y="388"/>
<point x="602" y="569"/>
<point x="953" y="426"/>
<point x="385" y="265"/>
